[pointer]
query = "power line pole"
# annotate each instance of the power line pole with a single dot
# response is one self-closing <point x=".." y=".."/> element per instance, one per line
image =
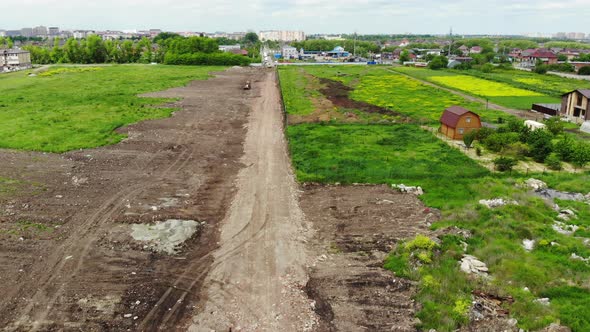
<point x="451" y="43"/>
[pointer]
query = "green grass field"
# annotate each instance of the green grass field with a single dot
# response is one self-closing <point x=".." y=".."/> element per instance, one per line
<point x="72" y="108"/>
<point x="404" y="153"/>
<point x="378" y="86"/>
<point x="503" y="93"/>
<point x="383" y="154"/>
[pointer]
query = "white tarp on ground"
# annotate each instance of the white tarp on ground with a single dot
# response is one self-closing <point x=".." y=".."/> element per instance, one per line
<point x="585" y="127"/>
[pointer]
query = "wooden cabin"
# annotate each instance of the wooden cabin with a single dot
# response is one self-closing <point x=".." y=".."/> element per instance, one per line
<point x="457" y="121"/>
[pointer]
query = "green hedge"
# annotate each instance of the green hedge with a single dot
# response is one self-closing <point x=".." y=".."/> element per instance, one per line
<point x="210" y="59"/>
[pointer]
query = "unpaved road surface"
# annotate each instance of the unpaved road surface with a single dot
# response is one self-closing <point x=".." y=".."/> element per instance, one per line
<point x="67" y="260"/>
<point x="259" y="272"/>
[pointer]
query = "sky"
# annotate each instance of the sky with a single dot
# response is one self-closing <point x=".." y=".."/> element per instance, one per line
<point x="311" y="16"/>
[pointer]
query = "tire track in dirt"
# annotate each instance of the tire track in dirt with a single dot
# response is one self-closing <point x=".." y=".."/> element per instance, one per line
<point x="257" y="279"/>
<point x="58" y="279"/>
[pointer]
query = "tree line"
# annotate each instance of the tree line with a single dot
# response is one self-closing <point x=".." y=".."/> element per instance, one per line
<point x="166" y="48"/>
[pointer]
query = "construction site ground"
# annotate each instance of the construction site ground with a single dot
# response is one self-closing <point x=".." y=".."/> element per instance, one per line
<point x="268" y="254"/>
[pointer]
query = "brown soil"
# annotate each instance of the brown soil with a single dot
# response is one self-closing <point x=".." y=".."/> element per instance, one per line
<point x="356" y="226"/>
<point x="338" y="93"/>
<point x="78" y="268"/>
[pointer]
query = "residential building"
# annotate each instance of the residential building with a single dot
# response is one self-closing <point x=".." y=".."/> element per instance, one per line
<point x="457" y="121"/>
<point x="81" y="34"/>
<point x="12" y="33"/>
<point x="464" y="49"/>
<point x="2" y="33"/>
<point x="289" y="52"/>
<point x="53" y="31"/>
<point x="229" y="48"/>
<point x="40" y="31"/>
<point x="338" y="52"/>
<point x="14" y="59"/>
<point x="475" y="50"/>
<point x="575" y="105"/>
<point x="26" y="32"/>
<point x="155" y="32"/>
<point x="282" y="35"/>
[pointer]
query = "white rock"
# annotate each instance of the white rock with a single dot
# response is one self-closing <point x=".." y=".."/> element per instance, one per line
<point x="535" y="184"/>
<point x="471" y="265"/>
<point x="528" y="244"/>
<point x="543" y="301"/>
<point x="496" y="202"/>
<point x="565" y="229"/>
<point x="580" y="258"/>
<point x="414" y="190"/>
<point x="127" y="315"/>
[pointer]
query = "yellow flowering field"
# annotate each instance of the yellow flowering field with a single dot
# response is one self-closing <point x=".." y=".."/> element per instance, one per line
<point x="482" y="87"/>
<point x="413" y="98"/>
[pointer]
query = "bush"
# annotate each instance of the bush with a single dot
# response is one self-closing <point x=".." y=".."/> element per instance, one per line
<point x="565" y="148"/>
<point x="498" y="141"/>
<point x="517" y="150"/>
<point x="552" y="161"/>
<point x="478" y="151"/>
<point x="554" y="125"/>
<point x="483" y="133"/>
<point x="439" y="62"/>
<point x="540" y="142"/>
<point x="487" y="68"/>
<point x="469" y="137"/>
<point x="584" y="70"/>
<point x="581" y="155"/>
<point x="541" y="69"/>
<point x="504" y="164"/>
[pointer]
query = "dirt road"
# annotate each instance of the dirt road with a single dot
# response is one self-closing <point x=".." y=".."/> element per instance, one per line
<point x="258" y="276"/>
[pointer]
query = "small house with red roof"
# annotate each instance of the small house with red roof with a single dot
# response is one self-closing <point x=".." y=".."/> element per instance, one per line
<point x="457" y="121"/>
<point x="543" y="55"/>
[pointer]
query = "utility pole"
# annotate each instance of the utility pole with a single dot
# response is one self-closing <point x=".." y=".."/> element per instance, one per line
<point x="451" y="43"/>
<point x="354" y="46"/>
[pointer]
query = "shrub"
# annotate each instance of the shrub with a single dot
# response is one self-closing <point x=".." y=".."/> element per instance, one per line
<point x="584" y="70"/>
<point x="504" y="164"/>
<point x="565" y="148"/>
<point x="552" y="161"/>
<point x="554" y="125"/>
<point x="540" y="142"/>
<point x="541" y="69"/>
<point x="487" y="68"/>
<point x="483" y="133"/>
<point x="439" y="62"/>
<point x="581" y="154"/>
<point x="517" y="150"/>
<point x="469" y="137"/>
<point x="498" y="141"/>
<point x="478" y="151"/>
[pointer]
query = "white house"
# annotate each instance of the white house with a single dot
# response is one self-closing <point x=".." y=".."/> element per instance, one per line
<point x="289" y="52"/>
<point x="14" y="59"/>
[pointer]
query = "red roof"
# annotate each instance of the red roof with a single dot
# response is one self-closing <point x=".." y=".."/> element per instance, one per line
<point x="452" y="115"/>
<point x="541" y="53"/>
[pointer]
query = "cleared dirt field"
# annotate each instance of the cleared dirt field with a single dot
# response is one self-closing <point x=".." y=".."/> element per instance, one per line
<point x="78" y="268"/>
<point x="355" y="227"/>
<point x="268" y="255"/>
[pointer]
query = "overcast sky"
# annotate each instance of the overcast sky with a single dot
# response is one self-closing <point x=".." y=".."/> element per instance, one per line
<point x="311" y="16"/>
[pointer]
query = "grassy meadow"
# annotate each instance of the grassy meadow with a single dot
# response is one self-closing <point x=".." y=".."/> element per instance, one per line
<point x="503" y="93"/>
<point x="333" y="152"/>
<point x="71" y="108"/>
<point x="381" y="87"/>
